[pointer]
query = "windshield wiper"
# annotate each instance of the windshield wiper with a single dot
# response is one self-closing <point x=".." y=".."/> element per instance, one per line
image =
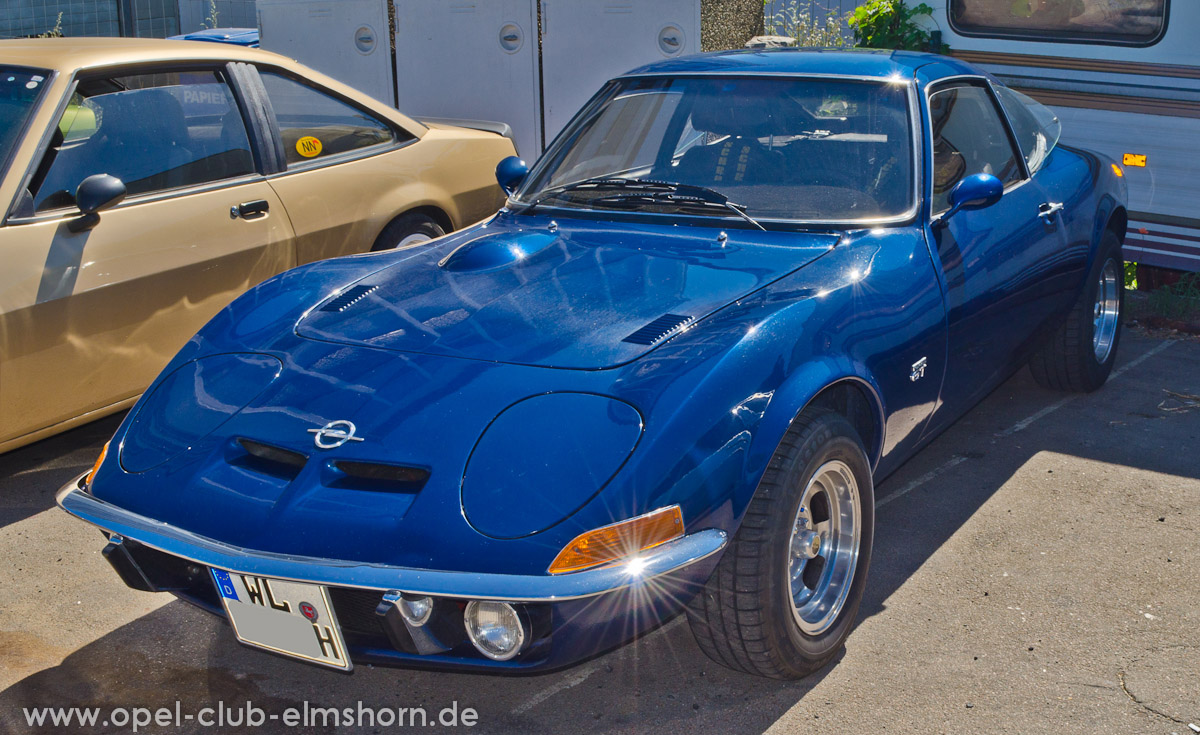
<point x="649" y="191"/>
<point x="684" y="195"/>
<point x="594" y="183"/>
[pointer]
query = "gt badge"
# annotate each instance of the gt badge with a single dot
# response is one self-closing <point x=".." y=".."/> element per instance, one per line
<point x="918" y="370"/>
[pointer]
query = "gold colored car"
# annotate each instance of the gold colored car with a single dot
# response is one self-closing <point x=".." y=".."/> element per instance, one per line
<point x="148" y="183"/>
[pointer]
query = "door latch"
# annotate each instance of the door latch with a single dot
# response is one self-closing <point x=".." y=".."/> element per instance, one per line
<point x="1048" y="210"/>
<point x="247" y="210"/>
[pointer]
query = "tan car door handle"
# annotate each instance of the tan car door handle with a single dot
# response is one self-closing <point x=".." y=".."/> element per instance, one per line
<point x="249" y="210"/>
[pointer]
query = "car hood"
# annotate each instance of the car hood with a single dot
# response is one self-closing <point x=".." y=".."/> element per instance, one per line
<point x="579" y="294"/>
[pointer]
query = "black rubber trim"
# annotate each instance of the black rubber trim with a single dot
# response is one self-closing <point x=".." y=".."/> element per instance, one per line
<point x="259" y="117"/>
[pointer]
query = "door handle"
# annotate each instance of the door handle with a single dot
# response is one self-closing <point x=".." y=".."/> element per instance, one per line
<point x="1048" y="210"/>
<point x="247" y="210"/>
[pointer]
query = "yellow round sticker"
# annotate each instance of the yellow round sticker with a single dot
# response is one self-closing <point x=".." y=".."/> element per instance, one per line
<point x="308" y="146"/>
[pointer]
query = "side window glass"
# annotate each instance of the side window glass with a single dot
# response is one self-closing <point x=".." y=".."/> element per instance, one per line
<point x="968" y="138"/>
<point x="155" y="132"/>
<point x="1037" y="127"/>
<point x="315" y="125"/>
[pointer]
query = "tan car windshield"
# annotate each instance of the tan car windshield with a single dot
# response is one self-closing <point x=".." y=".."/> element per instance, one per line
<point x="19" y="89"/>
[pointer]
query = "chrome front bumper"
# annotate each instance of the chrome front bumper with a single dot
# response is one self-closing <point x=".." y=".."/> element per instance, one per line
<point x="661" y="560"/>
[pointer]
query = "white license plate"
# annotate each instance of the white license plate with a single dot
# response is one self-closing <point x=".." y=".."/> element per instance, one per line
<point x="291" y="618"/>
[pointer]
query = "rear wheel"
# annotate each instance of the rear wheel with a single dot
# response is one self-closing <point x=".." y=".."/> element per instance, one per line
<point x="785" y="595"/>
<point x="406" y="231"/>
<point x="1080" y="354"/>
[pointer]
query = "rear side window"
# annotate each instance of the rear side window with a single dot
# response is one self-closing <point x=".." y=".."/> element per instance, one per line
<point x="315" y="125"/>
<point x="1037" y="127"/>
<point x="968" y="138"/>
<point x="155" y="132"/>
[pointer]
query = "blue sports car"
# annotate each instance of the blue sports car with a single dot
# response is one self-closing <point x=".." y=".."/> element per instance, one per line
<point x="737" y="290"/>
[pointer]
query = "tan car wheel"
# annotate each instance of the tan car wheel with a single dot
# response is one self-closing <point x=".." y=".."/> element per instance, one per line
<point x="408" y="231"/>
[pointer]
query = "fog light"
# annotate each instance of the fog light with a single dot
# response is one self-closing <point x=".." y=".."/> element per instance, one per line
<point x="495" y="628"/>
<point x="416" y="610"/>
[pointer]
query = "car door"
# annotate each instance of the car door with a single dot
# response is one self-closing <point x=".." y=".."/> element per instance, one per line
<point x="992" y="260"/>
<point x="88" y="318"/>
<point x="336" y="170"/>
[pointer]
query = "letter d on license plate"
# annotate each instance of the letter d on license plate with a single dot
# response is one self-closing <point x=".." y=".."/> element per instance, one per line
<point x="291" y="618"/>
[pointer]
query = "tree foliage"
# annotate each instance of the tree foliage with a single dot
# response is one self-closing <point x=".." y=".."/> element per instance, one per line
<point x="891" y="24"/>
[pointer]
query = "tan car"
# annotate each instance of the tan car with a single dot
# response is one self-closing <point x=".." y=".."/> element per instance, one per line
<point x="209" y="168"/>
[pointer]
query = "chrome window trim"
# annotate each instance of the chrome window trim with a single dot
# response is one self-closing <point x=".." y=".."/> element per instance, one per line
<point x="154" y="196"/>
<point x="916" y="128"/>
<point x="147" y="198"/>
<point x="973" y="80"/>
<point x="358" y="154"/>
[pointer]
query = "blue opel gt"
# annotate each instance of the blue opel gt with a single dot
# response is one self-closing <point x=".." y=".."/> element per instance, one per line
<point x="736" y="291"/>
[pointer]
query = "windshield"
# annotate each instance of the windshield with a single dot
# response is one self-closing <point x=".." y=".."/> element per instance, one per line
<point x="809" y="149"/>
<point x="19" y="90"/>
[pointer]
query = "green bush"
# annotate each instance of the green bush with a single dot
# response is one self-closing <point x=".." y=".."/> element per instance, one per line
<point x="889" y="24"/>
<point x="1180" y="301"/>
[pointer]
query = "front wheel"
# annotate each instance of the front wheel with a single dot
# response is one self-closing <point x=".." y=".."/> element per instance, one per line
<point x="1080" y="354"/>
<point x="786" y="592"/>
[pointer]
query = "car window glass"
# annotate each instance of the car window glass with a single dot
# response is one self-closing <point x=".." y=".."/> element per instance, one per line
<point x="968" y="138"/>
<point x="1037" y="127"/>
<point x="813" y="149"/>
<point x="315" y="125"/>
<point x="20" y="89"/>
<point x="155" y="132"/>
<point x="625" y="137"/>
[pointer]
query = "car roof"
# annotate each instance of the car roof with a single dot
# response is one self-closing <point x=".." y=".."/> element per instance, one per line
<point x="71" y="54"/>
<point x="240" y="36"/>
<point x="871" y="63"/>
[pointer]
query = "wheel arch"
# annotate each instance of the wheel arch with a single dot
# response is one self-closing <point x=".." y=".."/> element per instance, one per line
<point x="432" y="211"/>
<point x="840" y="385"/>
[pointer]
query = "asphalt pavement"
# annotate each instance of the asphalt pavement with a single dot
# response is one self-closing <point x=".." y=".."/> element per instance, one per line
<point x="1036" y="569"/>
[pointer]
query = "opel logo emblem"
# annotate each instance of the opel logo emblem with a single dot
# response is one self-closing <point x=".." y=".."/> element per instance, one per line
<point x="334" y="434"/>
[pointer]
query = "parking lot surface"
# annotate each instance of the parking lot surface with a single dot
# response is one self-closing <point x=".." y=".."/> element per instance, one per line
<point x="1036" y="569"/>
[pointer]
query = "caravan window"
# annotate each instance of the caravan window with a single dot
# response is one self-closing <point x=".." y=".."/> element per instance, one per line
<point x="1127" y="22"/>
<point x="1037" y="127"/>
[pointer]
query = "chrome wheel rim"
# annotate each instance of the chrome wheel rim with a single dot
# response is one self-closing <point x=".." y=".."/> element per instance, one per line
<point x="824" y="547"/>
<point x="414" y="239"/>
<point x="1106" y="312"/>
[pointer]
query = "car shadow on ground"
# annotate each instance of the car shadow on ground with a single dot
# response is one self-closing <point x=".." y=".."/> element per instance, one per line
<point x="1122" y="424"/>
<point x="31" y="476"/>
<point x="662" y="682"/>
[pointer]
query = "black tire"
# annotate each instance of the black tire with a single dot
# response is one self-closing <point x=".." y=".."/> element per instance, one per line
<point x="743" y="617"/>
<point x="1068" y="361"/>
<point x="413" y="225"/>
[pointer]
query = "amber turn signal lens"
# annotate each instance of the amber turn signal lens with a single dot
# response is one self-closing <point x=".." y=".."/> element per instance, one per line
<point x="1118" y="171"/>
<point x="619" y="541"/>
<point x="99" y="461"/>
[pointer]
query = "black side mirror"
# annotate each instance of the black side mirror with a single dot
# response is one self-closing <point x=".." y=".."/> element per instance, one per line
<point x="978" y="191"/>
<point x="95" y="194"/>
<point x="510" y="173"/>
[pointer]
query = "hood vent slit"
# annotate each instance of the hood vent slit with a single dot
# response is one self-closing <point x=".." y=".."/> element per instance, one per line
<point x="348" y="298"/>
<point x="659" y="329"/>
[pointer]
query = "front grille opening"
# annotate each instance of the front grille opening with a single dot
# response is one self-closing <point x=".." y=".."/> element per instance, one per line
<point x="379" y="477"/>
<point x="269" y="460"/>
